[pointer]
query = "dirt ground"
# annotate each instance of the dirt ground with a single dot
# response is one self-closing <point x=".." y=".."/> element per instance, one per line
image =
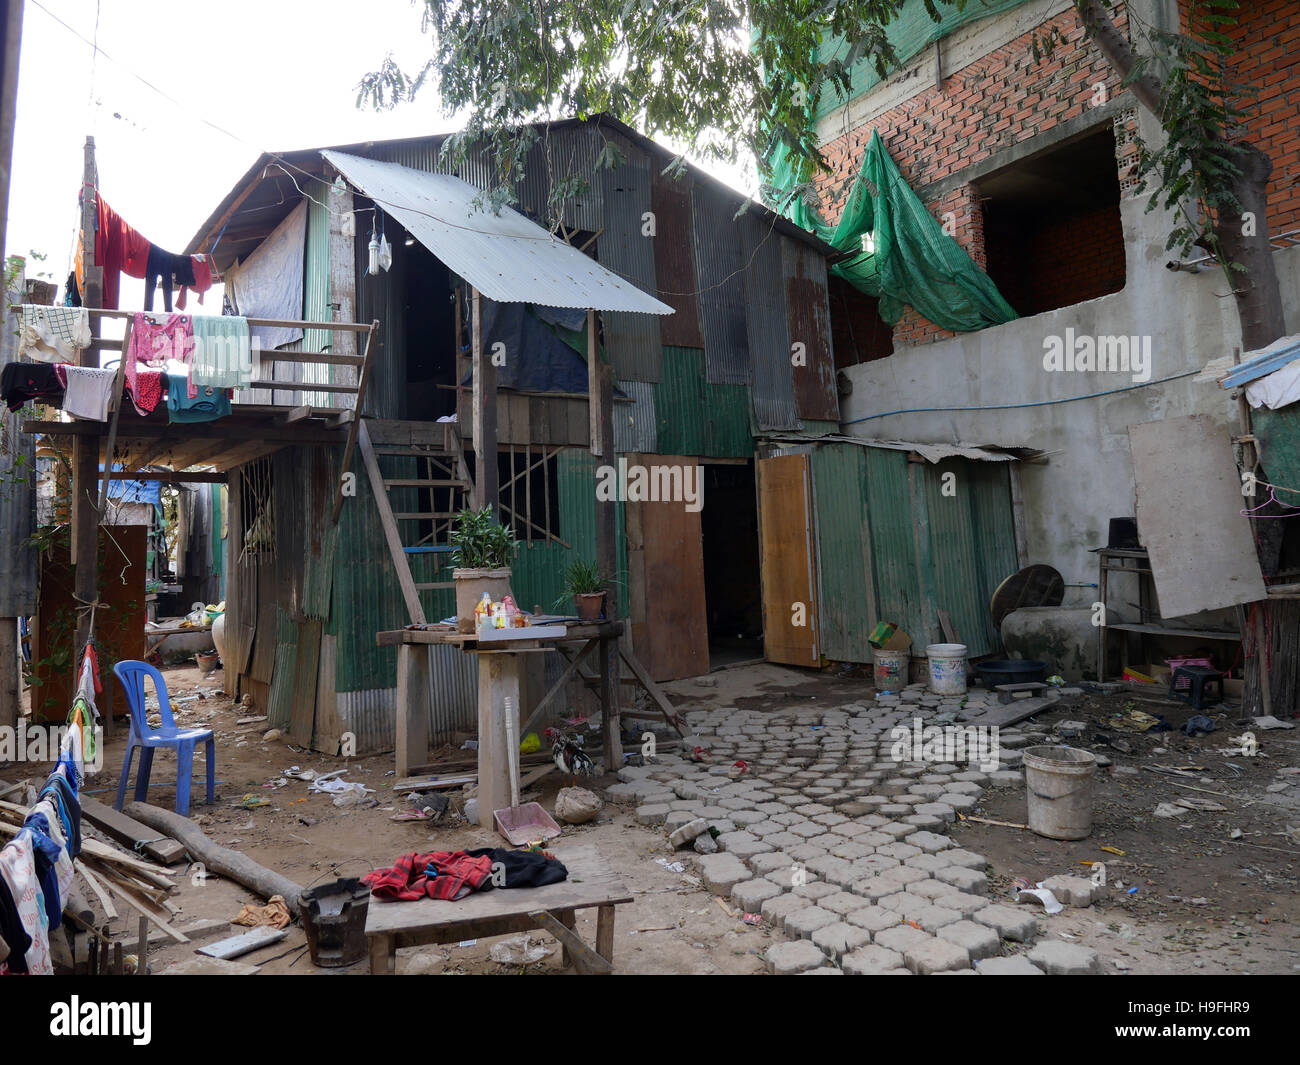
<point x="1204" y="901"/>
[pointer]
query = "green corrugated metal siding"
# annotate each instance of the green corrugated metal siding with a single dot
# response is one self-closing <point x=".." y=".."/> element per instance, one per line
<point x="846" y="613"/>
<point x="966" y="543"/>
<point x="696" y="417"/>
<point x="280" y="701"/>
<point x="814" y="428"/>
<point x="538" y="577"/>
<point x="218" y="544"/>
<point x="893" y="544"/>
<point x="972" y="545"/>
<point x="1278" y="432"/>
<point x="366" y="597"/>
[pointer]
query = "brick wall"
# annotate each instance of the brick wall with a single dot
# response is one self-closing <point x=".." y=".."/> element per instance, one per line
<point x="1268" y="56"/>
<point x="993" y="104"/>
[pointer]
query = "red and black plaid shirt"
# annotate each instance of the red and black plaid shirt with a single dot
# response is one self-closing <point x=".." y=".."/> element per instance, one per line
<point x="457" y="875"/>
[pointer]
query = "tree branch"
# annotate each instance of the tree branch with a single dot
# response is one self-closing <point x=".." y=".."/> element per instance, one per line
<point x="1097" y="24"/>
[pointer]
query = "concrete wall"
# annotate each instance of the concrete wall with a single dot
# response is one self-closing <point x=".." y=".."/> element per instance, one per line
<point x="1088" y="477"/>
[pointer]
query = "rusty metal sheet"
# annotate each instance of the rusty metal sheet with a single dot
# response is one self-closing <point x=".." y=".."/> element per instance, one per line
<point x="675" y="261"/>
<point x="804" y="271"/>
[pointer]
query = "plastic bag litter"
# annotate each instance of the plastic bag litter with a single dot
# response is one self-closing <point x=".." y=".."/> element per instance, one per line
<point x="1044" y="895"/>
<point x="520" y="950"/>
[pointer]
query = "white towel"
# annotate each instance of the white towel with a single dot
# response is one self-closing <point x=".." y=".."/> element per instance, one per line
<point x="53" y="334"/>
<point x="88" y="393"/>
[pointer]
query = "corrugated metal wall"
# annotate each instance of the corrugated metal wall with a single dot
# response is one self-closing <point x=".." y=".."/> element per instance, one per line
<point x="973" y="544"/>
<point x="922" y="551"/>
<point x="720" y="276"/>
<point x="17" y="493"/>
<point x="804" y="275"/>
<point x="632" y="340"/>
<point x="316" y="294"/>
<point x="846" y="607"/>
<point x="767" y="327"/>
<point x="696" y="417"/>
<point x="675" y="260"/>
<point x="383" y="297"/>
<point x="635" y="423"/>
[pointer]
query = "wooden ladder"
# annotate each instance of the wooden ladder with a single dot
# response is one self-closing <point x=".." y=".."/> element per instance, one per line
<point x="444" y="467"/>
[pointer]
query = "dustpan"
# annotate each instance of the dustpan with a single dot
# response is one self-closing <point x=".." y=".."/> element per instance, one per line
<point x="528" y="823"/>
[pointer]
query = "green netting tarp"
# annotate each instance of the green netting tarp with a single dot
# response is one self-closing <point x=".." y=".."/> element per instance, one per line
<point x="914" y="262"/>
<point x="910" y="32"/>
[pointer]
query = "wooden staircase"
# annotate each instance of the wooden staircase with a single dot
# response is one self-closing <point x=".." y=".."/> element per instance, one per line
<point x="442" y="475"/>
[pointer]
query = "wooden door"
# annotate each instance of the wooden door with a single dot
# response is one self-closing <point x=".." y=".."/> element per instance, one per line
<point x="785" y="525"/>
<point x="665" y="562"/>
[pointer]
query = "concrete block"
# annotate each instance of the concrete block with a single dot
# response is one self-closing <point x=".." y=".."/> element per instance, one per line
<point x="785" y="959"/>
<point x="1009" y="923"/>
<point x="978" y="940"/>
<point x="840" y="937"/>
<point x="935" y="956"/>
<point x="1065" y="959"/>
<point x="871" y="960"/>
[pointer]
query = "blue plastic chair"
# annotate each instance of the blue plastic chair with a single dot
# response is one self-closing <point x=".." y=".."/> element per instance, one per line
<point x="132" y="674"/>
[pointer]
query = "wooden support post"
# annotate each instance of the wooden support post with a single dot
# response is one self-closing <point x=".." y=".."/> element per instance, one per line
<point x="498" y="680"/>
<point x="609" y="703"/>
<point x="11" y="688"/>
<point x="412" y="708"/>
<point x="485" y="414"/>
<point x="85" y="448"/>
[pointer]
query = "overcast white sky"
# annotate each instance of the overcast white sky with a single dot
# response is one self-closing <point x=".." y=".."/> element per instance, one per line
<point x="277" y="75"/>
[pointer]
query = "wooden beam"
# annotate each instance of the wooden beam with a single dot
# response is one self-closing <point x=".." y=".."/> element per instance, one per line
<point x="354" y="425"/>
<point x="400" y="565"/>
<point x="222" y="429"/>
<point x="584" y="959"/>
<point x="558" y="686"/>
<point x="174" y="476"/>
<point x="485" y="411"/>
<point x="237" y="456"/>
<point x="140" y="838"/>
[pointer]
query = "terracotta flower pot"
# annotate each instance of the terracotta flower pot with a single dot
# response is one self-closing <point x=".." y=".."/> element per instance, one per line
<point x="590" y="605"/>
<point x="470" y="586"/>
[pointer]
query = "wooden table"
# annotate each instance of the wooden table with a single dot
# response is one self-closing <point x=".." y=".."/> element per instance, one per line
<point x="501" y="666"/>
<point x="591" y="882"/>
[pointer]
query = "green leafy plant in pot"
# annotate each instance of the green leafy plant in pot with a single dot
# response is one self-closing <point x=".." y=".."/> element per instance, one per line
<point x="484" y="551"/>
<point x="582" y="581"/>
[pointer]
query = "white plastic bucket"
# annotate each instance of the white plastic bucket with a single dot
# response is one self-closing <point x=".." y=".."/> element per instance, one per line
<point x="890" y="669"/>
<point x="947" y="668"/>
<point x="1059" y="781"/>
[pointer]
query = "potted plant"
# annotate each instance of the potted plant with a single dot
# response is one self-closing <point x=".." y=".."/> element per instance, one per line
<point x="484" y="552"/>
<point x="583" y="581"/>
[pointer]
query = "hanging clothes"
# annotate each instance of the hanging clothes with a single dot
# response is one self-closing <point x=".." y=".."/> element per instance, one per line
<point x="200" y="279"/>
<point x="87" y="391"/>
<point x="21" y="381"/>
<point x="223" y="351"/>
<point x="209" y="405"/>
<point x="147" y="392"/>
<point x="119" y="249"/>
<point x="12" y="930"/>
<point x="53" y="334"/>
<point x="18" y="869"/>
<point x="156" y="340"/>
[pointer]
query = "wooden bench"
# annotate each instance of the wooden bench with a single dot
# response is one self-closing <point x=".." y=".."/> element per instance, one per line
<point x="552" y="909"/>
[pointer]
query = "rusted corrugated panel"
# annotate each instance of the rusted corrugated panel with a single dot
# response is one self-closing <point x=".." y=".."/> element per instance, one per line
<point x="632" y="340"/>
<point x="635" y="425"/>
<point x="804" y="272"/>
<point x="765" y="322"/>
<point x="719" y="273"/>
<point x="675" y="261"/>
<point x="320" y="470"/>
<point x="562" y="154"/>
<point x="369" y="716"/>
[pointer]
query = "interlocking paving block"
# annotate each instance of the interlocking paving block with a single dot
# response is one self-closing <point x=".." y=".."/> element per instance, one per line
<point x="979" y="940"/>
<point x="1018" y="965"/>
<point x="1020" y="925"/>
<point x="805" y="922"/>
<point x="935" y="956"/>
<point x="1065" y="959"/>
<point x="784" y="959"/>
<point x="839" y="938"/>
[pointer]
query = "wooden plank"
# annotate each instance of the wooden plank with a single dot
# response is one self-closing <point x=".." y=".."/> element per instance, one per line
<point x="584" y="959"/>
<point x="652" y="689"/>
<point x="787" y="564"/>
<point x="354" y="426"/>
<point x="485" y="412"/>
<point x="97" y="886"/>
<point x="412" y="724"/>
<point x="136" y="899"/>
<point x="306" y="386"/>
<point x="672" y="640"/>
<point x="115" y="403"/>
<point x="306" y="670"/>
<point x="244" y="943"/>
<point x="129" y="832"/>
<point x="409" y="593"/>
<point x="1209" y="562"/>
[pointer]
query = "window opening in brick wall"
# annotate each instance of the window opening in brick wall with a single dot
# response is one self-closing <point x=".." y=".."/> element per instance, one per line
<point x="1052" y="229"/>
<point x="858" y="333"/>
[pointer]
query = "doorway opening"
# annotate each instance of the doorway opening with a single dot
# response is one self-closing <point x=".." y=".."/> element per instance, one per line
<point x="732" y="591"/>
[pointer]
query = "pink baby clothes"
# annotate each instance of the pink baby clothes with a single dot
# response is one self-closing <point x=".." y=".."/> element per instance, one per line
<point x="156" y="338"/>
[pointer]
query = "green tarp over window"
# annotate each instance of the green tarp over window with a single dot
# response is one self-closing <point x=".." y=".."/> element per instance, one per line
<point x="913" y="261"/>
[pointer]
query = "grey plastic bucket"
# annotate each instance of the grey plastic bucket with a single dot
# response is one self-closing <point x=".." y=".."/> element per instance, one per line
<point x="1059" y="781"/>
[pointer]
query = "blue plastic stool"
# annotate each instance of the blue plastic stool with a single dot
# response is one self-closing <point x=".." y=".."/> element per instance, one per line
<point x="132" y="675"/>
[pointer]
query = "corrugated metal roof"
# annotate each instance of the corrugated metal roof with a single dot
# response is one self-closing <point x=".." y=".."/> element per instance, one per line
<point x="505" y="256"/>
<point x="767" y="327"/>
